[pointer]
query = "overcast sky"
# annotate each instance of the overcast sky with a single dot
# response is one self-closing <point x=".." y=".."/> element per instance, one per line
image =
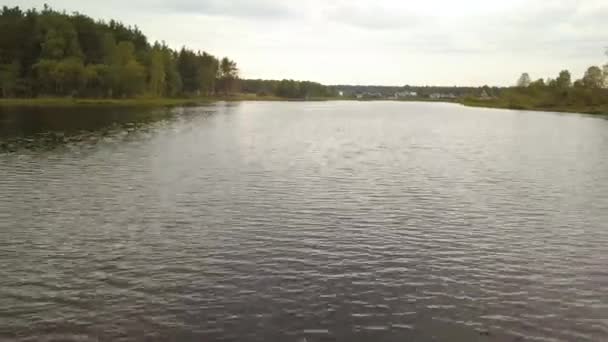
<point x="388" y="42"/>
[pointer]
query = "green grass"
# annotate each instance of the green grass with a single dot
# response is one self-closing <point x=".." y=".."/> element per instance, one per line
<point x="173" y="102"/>
<point x="140" y="101"/>
<point x="69" y="102"/>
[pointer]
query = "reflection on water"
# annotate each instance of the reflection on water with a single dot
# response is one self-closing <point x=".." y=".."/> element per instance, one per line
<point x="46" y="128"/>
<point x="278" y="221"/>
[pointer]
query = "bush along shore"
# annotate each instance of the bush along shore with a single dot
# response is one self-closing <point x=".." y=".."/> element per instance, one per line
<point x="586" y="95"/>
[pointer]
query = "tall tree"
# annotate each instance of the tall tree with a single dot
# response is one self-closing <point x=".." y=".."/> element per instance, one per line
<point x="594" y="78"/>
<point x="208" y="73"/>
<point x="524" y="80"/>
<point x="9" y="74"/>
<point x="60" y="39"/>
<point x="157" y="72"/>
<point x="228" y="74"/>
<point x="564" y="80"/>
<point x="189" y="70"/>
<point x="173" y="80"/>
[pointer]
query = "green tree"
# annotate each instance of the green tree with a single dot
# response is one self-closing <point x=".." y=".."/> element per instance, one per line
<point x="124" y="53"/>
<point x="540" y="83"/>
<point x="9" y="74"/>
<point x="524" y="80"/>
<point x="53" y="53"/>
<point x="189" y="70"/>
<point x="133" y="78"/>
<point x="127" y="76"/>
<point x="208" y="73"/>
<point x="70" y="75"/>
<point x="228" y="75"/>
<point x="158" y="76"/>
<point x="564" y="80"/>
<point x="173" y="80"/>
<point x="90" y="38"/>
<point x="594" y="78"/>
<point x="46" y="77"/>
<point x="108" y="49"/>
<point x="60" y="37"/>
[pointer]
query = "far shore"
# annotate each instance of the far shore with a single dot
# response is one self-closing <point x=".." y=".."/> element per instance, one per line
<point x="197" y="101"/>
<point x="170" y="102"/>
<point x="503" y="104"/>
<point x="127" y="102"/>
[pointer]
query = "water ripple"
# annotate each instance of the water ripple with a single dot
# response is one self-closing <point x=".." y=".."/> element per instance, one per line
<point x="306" y="222"/>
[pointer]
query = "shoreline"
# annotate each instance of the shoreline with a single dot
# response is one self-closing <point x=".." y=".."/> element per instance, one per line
<point x="197" y="101"/>
<point x="173" y="102"/>
<point x="128" y="102"/>
<point x="501" y="104"/>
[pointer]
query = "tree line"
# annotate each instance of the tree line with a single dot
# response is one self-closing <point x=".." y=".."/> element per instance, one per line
<point x="422" y="91"/>
<point x="287" y="89"/>
<point x="51" y="53"/>
<point x="562" y="91"/>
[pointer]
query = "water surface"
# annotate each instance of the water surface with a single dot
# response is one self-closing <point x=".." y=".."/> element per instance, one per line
<point x="332" y="221"/>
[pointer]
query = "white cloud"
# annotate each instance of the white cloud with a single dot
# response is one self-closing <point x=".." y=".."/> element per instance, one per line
<point x="376" y="41"/>
<point x="259" y="9"/>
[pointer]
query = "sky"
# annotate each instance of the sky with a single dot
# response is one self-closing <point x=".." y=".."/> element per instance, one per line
<point x="379" y="42"/>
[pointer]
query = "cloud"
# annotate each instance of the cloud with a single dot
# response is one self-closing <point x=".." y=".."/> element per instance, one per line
<point x="374" y="17"/>
<point x="375" y="41"/>
<point x="259" y="9"/>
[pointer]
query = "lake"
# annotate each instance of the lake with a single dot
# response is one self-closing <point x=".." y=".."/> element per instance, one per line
<point x="303" y="221"/>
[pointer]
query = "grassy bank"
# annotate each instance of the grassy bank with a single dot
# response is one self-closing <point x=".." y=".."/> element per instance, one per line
<point x="533" y="106"/>
<point x="142" y="101"/>
<point x="69" y="102"/>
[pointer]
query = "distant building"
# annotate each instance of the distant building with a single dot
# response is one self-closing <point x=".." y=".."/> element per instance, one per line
<point x="369" y="95"/>
<point x="439" y="96"/>
<point x="403" y="94"/>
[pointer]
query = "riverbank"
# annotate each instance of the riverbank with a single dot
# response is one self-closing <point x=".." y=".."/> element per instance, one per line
<point x="197" y="101"/>
<point x="505" y="104"/>
<point x="129" y="102"/>
<point x="173" y="102"/>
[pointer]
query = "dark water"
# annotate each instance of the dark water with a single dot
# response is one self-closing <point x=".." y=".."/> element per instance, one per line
<point x="303" y="222"/>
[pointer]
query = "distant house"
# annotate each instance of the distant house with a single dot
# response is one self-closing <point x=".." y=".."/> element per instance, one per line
<point x="369" y="95"/>
<point x="439" y="96"/>
<point x="404" y="94"/>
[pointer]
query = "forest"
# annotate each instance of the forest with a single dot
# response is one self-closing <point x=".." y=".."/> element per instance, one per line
<point x="48" y="53"/>
<point x="287" y="89"/>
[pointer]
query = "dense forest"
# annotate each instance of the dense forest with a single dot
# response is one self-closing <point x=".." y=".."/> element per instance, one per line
<point x="287" y="89"/>
<point x="48" y="53"/>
